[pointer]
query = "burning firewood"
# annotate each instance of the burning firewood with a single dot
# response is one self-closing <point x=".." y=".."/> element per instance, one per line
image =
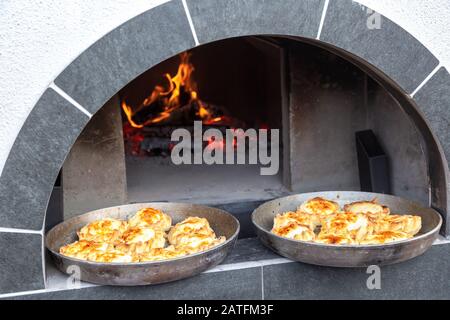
<point x="176" y="105"/>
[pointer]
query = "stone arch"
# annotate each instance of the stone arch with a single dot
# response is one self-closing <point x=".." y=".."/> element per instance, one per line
<point x="109" y="64"/>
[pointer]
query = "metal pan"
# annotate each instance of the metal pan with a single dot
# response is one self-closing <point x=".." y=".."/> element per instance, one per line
<point x="144" y="273"/>
<point x="347" y="255"/>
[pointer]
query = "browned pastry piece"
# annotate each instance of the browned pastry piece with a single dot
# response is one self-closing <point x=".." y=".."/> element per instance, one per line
<point x="189" y="226"/>
<point x="150" y="217"/>
<point x="319" y="206"/>
<point x="112" y="256"/>
<point x="158" y="254"/>
<point x="105" y="230"/>
<point x="372" y="209"/>
<point x="139" y="240"/>
<point x="194" y="243"/>
<point x="283" y="219"/>
<point x="385" y="237"/>
<point x="94" y="251"/>
<point x="330" y="238"/>
<point x="155" y="238"/>
<point x="294" y="230"/>
<point x="354" y="226"/>
<point x="403" y="223"/>
<point x="194" y="234"/>
<point x="82" y="249"/>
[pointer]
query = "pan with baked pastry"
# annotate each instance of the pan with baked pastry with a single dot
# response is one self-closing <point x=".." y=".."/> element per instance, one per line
<point x="128" y="245"/>
<point x="353" y="235"/>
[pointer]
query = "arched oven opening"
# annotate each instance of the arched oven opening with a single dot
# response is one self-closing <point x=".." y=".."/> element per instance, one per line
<point x="342" y="126"/>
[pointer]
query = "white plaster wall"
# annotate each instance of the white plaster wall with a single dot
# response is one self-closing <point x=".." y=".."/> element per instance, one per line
<point x="39" y="38"/>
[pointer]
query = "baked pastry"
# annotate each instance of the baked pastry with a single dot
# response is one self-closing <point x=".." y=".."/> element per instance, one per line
<point x="371" y="208"/>
<point x="189" y="226"/>
<point x="105" y="230"/>
<point x="319" y="206"/>
<point x="82" y="249"/>
<point x="193" y="243"/>
<point x="404" y="223"/>
<point x="294" y="230"/>
<point x="114" y="256"/>
<point x="385" y="237"/>
<point x="330" y="238"/>
<point x="283" y="219"/>
<point x="157" y="238"/>
<point x="138" y="240"/>
<point x="158" y="254"/>
<point x="192" y="235"/>
<point x="150" y="217"/>
<point x="355" y="226"/>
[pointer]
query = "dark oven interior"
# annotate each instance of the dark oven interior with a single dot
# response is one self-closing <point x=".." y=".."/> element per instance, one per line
<point x="334" y="119"/>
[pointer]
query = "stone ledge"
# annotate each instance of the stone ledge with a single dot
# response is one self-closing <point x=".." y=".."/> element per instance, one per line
<point x="424" y="277"/>
<point x="20" y="262"/>
<point x="239" y="277"/>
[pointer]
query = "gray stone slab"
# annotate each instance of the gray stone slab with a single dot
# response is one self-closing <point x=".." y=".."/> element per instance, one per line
<point x="94" y="172"/>
<point x="235" y="284"/>
<point x="402" y="142"/>
<point x="433" y="100"/>
<point x="126" y="52"/>
<point x="389" y="48"/>
<point x="326" y="108"/>
<point x="250" y="249"/>
<point x="33" y="164"/>
<point x="425" y="277"/>
<point x="20" y="262"/>
<point x="242" y="211"/>
<point x="214" y="20"/>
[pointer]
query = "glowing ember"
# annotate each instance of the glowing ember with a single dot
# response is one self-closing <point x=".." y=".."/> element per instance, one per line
<point x="148" y="126"/>
<point x="135" y="138"/>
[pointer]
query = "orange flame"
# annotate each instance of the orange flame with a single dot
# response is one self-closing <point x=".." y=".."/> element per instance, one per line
<point x="170" y="97"/>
